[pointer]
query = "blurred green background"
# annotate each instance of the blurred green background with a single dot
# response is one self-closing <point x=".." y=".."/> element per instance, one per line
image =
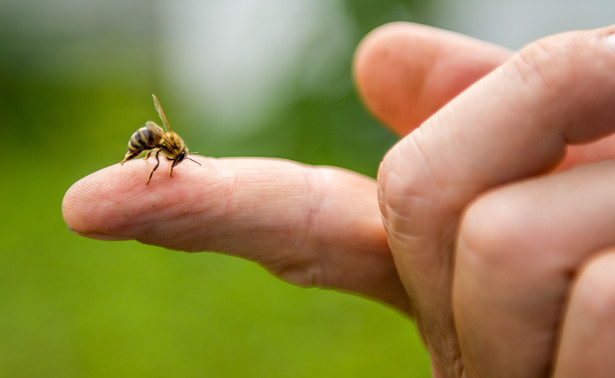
<point x="236" y="78"/>
<point x="75" y="82"/>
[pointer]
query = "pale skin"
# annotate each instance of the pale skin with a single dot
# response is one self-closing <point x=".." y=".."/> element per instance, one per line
<point x="477" y="227"/>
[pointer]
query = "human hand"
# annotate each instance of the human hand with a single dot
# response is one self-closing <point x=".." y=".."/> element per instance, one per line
<point x="312" y="226"/>
<point x="507" y="266"/>
<point x="321" y="226"/>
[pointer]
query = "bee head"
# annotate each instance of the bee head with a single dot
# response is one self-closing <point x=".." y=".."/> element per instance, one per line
<point x="181" y="156"/>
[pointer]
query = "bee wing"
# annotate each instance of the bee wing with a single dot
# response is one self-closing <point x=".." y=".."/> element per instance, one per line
<point x="158" y="131"/>
<point x="168" y="140"/>
<point x="163" y="117"/>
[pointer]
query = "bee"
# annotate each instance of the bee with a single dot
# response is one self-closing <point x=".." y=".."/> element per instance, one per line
<point x="152" y="138"/>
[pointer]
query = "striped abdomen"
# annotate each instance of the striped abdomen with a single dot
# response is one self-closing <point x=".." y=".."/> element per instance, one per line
<point x="145" y="138"/>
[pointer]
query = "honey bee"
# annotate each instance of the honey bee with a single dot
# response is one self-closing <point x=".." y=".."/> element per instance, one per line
<point x="152" y="138"/>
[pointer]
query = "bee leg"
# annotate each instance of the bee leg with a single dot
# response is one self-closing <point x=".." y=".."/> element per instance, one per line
<point x="155" y="167"/>
<point x="147" y="154"/>
<point x="171" y="169"/>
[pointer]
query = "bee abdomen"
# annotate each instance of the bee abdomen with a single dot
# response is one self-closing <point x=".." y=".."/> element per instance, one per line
<point x="143" y="139"/>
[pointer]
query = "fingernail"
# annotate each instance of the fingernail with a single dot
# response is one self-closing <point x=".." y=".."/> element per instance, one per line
<point x="94" y="235"/>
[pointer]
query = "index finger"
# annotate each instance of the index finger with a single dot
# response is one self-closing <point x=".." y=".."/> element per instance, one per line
<point x="312" y="226"/>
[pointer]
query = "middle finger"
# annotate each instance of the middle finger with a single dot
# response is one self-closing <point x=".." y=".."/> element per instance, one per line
<point x="519" y="250"/>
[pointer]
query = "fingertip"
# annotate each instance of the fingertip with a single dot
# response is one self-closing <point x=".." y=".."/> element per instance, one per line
<point x="405" y="72"/>
<point x="106" y="204"/>
<point x="84" y="202"/>
<point x="386" y="75"/>
<point x="70" y="208"/>
<point x="117" y="203"/>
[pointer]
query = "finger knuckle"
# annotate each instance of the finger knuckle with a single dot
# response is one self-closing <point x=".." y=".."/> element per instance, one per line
<point x="494" y="233"/>
<point x="557" y="65"/>
<point x="406" y="187"/>
<point x="534" y="64"/>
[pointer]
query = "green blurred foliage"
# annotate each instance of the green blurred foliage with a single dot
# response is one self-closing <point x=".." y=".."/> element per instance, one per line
<point x="72" y="307"/>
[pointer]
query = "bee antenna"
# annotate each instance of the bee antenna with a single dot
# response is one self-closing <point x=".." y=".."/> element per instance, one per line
<point x="193" y="160"/>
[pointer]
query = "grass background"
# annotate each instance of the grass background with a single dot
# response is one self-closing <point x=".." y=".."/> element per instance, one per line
<point x="74" y="307"/>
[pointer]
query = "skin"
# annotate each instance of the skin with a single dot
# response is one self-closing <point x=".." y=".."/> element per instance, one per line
<point x="486" y="224"/>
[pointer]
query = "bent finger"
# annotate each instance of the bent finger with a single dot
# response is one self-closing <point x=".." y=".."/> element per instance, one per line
<point x="588" y="334"/>
<point x="513" y="124"/>
<point x="519" y="248"/>
<point x="309" y="225"/>
<point x="405" y="72"/>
